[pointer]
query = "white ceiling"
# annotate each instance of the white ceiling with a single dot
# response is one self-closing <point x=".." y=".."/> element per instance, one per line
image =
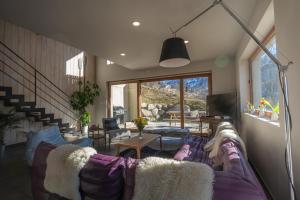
<point x="103" y="27"/>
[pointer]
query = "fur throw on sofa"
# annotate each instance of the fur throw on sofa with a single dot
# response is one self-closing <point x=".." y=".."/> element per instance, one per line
<point x="164" y="179"/>
<point x="63" y="166"/>
<point x="222" y="136"/>
<point x="221" y="126"/>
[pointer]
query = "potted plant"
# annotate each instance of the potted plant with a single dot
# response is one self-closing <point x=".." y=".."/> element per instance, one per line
<point x="250" y="108"/>
<point x="7" y="120"/>
<point x="140" y="123"/>
<point x="262" y="107"/>
<point x="82" y="98"/>
<point x="274" y="110"/>
<point x="85" y="120"/>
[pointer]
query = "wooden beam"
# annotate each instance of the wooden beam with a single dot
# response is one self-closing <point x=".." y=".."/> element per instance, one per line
<point x="139" y="99"/>
<point x="181" y="103"/>
<point x="108" y="101"/>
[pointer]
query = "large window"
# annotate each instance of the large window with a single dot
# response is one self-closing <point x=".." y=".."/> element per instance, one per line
<point x="161" y="102"/>
<point x="75" y="65"/>
<point x="265" y="76"/>
<point x="173" y="101"/>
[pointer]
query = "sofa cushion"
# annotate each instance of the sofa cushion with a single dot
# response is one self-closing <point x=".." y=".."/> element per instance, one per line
<point x="102" y="177"/>
<point x="50" y="135"/>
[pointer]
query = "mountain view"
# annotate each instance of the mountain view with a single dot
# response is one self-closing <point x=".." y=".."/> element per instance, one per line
<point x="166" y="94"/>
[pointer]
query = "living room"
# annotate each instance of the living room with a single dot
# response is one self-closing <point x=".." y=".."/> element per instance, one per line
<point x="51" y="50"/>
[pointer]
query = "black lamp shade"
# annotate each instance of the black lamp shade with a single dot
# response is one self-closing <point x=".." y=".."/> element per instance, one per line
<point x="174" y="53"/>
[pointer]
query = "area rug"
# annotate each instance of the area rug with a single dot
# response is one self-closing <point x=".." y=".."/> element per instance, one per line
<point x="147" y="152"/>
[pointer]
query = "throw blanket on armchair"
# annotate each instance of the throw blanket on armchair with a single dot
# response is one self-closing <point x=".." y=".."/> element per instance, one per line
<point x="63" y="166"/>
<point x="164" y="179"/>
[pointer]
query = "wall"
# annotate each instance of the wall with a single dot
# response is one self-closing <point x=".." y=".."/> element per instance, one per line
<point x="264" y="140"/>
<point x="48" y="57"/>
<point x="223" y="79"/>
<point x="287" y="17"/>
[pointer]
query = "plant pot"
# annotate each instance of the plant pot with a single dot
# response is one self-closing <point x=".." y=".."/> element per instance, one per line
<point x="256" y="112"/>
<point x="2" y="151"/>
<point x="85" y="130"/>
<point x="274" y="116"/>
<point x="268" y="114"/>
<point x="261" y="113"/>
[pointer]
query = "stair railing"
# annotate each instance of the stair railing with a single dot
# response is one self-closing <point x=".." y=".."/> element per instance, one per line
<point x="37" y="77"/>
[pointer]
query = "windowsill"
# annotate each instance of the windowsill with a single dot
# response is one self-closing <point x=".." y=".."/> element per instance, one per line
<point x="264" y="120"/>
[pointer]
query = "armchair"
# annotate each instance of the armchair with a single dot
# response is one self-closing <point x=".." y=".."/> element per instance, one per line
<point x="111" y="128"/>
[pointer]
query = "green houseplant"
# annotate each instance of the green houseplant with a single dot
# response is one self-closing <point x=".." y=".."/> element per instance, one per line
<point x="85" y="119"/>
<point x="83" y="97"/>
<point x="275" y="110"/>
<point x="7" y="120"/>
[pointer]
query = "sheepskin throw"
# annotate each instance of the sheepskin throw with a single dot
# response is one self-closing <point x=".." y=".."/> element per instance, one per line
<point x="221" y="126"/>
<point x="165" y="179"/>
<point x="63" y="166"/>
<point x="223" y="135"/>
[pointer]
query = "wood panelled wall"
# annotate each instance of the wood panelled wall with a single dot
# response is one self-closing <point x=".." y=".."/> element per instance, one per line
<point x="48" y="57"/>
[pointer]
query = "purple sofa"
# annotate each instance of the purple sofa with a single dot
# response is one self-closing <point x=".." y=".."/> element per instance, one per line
<point x="235" y="180"/>
<point x="110" y="177"/>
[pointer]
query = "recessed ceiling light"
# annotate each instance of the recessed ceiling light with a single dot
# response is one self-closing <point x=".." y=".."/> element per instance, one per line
<point x="123" y="54"/>
<point x="109" y="62"/>
<point x="136" y="23"/>
<point x="186" y="41"/>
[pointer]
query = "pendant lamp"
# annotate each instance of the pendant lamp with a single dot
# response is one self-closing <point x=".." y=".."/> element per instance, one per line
<point x="174" y="53"/>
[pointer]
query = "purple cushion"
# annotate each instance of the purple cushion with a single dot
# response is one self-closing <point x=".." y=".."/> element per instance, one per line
<point x="38" y="171"/>
<point x="102" y="178"/>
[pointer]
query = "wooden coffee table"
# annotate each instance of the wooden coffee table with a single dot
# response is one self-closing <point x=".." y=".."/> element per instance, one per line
<point x="137" y="143"/>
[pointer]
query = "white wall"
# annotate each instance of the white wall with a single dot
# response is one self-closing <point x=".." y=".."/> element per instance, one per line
<point x="287" y="17"/>
<point x="265" y="141"/>
<point x="49" y="57"/>
<point x="223" y="79"/>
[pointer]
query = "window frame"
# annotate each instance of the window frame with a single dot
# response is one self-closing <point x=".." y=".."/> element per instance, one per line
<point x="179" y="77"/>
<point x="254" y="54"/>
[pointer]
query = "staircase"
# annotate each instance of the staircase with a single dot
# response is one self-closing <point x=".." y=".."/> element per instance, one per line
<point x="36" y="85"/>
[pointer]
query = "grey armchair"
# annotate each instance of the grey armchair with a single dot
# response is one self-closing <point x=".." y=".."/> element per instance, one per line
<point x="111" y="128"/>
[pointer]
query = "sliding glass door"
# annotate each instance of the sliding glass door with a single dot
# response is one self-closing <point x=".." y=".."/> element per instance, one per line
<point x="124" y="103"/>
<point x="195" y="92"/>
<point x="160" y="102"/>
<point x="177" y="101"/>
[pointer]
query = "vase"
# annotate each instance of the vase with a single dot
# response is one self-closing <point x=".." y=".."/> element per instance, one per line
<point x="274" y="116"/>
<point x="141" y="134"/>
<point x="85" y="130"/>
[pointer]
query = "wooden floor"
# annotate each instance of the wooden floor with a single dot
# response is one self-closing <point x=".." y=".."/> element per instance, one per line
<point x="15" y="183"/>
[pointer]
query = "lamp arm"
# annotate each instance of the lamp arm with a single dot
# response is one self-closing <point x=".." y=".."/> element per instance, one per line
<point x="284" y="86"/>
<point x="257" y="41"/>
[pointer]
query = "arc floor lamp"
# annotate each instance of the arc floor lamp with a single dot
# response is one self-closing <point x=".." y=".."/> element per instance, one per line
<point x="174" y="54"/>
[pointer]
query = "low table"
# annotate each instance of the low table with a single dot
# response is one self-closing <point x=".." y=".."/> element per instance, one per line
<point x="137" y="143"/>
<point x="168" y="131"/>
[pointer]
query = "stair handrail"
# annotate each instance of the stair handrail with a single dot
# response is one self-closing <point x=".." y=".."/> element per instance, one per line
<point x="35" y="79"/>
<point x="33" y="74"/>
<point x="32" y="67"/>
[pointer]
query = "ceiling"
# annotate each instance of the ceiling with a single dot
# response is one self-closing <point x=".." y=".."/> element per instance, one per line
<point x="103" y="27"/>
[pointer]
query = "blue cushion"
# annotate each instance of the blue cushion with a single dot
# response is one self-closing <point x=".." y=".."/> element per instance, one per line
<point x="84" y="142"/>
<point x="50" y="135"/>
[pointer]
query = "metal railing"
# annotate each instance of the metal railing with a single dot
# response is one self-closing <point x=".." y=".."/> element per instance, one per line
<point x="37" y="81"/>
